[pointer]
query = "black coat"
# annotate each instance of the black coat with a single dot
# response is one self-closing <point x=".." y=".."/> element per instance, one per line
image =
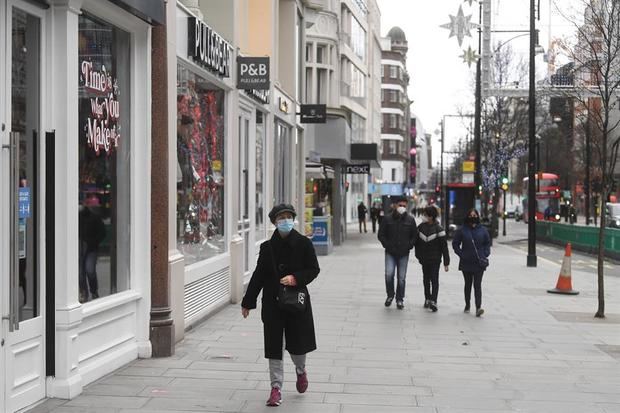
<point x="463" y="245"/>
<point x="294" y="255"/>
<point x="431" y="244"/>
<point x="398" y="234"/>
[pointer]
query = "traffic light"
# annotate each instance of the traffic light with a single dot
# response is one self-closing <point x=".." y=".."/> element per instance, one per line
<point x="504" y="183"/>
<point x="480" y="189"/>
<point x="504" y="187"/>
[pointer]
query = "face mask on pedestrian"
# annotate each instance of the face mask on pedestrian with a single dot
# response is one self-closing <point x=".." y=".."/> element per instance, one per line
<point x="285" y="225"/>
<point x="401" y="210"/>
<point x="473" y="220"/>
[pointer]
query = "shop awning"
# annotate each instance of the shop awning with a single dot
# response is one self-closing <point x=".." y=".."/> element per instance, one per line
<point x="151" y="11"/>
<point x="366" y="153"/>
<point x="319" y="171"/>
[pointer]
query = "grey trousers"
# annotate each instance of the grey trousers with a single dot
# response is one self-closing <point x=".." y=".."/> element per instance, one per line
<point x="276" y="369"/>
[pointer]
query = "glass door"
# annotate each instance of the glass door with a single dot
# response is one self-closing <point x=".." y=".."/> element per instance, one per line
<point x="23" y="343"/>
<point x="246" y="202"/>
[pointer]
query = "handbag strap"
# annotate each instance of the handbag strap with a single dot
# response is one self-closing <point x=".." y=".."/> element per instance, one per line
<point x="474" y="244"/>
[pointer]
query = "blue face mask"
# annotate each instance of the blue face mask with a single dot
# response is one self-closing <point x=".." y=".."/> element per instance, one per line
<point x="285" y="225"/>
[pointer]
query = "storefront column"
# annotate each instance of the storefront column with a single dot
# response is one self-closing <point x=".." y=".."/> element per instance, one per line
<point x="161" y="325"/>
<point x="63" y="81"/>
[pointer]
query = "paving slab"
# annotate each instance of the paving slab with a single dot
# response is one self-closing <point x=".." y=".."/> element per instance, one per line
<point x="530" y="352"/>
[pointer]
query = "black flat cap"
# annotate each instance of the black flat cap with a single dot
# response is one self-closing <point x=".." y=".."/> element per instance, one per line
<point x="280" y="208"/>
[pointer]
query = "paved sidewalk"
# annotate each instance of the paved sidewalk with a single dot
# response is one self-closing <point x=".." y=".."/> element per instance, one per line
<point x="530" y="352"/>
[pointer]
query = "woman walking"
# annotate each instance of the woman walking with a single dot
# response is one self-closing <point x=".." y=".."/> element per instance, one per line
<point x="430" y="246"/>
<point x="287" y="259"/>
<point x="473" y="245"/>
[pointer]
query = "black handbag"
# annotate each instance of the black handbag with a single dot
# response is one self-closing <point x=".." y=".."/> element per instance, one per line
<point x="483" y="261"/>
<point x="290" y="298"/>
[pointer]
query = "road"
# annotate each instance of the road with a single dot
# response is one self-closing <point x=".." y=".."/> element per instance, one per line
<point x="516" y="237"/>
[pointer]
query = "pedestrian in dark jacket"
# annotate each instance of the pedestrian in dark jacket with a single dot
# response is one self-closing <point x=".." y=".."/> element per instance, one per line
<point x="397" y="233"/>
<point x="287" y="259"/>
<point x="429" y="249"/>
<point x="374" y="216"/>
<point x="472" y="244"/>
<point x="361" y="215"/>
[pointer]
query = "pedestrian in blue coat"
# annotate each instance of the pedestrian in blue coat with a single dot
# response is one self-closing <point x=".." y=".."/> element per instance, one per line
<point x="472" y="244"/>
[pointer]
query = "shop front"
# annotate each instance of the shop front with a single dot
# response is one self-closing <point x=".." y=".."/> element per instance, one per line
<point x="74" y="213"/>
<point x="252" y="157"/>
<point x="203" y="161"/>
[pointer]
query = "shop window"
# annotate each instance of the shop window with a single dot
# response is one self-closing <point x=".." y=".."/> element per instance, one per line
<point x="104" y="158"/>
<point x="200" y="167"/>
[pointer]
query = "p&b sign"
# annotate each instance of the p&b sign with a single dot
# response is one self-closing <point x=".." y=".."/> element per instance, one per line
<point x="253" y="73"/>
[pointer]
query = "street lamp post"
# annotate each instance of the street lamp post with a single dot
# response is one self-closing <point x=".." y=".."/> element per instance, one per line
<point x="441" y="188"/>
<point x="531" y="189"/>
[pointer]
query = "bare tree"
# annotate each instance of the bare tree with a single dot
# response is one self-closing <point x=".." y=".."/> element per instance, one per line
<point x="596" y="54"/>
<point x="505" y="123"/>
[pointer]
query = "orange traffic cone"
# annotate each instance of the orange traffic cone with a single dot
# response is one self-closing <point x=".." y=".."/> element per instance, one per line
<point x="564" y="285"/>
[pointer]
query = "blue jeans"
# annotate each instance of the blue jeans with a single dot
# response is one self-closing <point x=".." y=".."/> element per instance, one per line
<point x="393" y="263"/>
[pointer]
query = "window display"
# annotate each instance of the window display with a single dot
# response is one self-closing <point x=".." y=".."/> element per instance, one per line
<point x="104" y="157"/>
<point x="200" y="167"/>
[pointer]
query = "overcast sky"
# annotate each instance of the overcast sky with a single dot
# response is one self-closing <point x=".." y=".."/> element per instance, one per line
<point x="440" y="82"/>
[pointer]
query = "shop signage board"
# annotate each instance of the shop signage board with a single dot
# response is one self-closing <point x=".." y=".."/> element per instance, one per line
<point x="103" y="122"/>
<point x="469" y="166"/>
<point x="362" y="169"/>
<point x="313" y="113"/>
<point x="253" y="73"/>
<point x="207" y="48"/>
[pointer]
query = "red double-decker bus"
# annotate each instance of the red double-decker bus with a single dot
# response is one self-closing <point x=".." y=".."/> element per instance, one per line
<point x="547" y="197"/>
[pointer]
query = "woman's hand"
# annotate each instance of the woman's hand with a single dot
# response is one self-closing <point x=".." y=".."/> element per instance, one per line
<point x="245" y="312"/>
<point x="446" y="268"/>
<point x="288" y="280"/>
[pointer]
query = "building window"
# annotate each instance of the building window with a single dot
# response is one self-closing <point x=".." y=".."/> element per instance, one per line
<point x="309" y="52"/>
<point x="358" y="39"/>
<point x="104" y="158"/>
<point x="358" y="128"/>
<point x="321" y="54"/>
<point x="260" y="175"/>
<point x="393" y="174"/>
<point x="393" y="121"/>
<point x="393" y="72"/>
<point x="200" y="167"/>
<point x="392" y="147"/>
<point x="321" y="85"/>
<point x="358" y="83"/>
<point x="382" y="71"/>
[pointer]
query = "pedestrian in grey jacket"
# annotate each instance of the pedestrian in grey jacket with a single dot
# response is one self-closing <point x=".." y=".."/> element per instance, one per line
<point x="397" y="233"/>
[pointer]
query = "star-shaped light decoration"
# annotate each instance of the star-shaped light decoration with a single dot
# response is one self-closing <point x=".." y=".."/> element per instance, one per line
<point x="470" y="2"/>
<point x="460" y="26"/>
<point x="470" y="56"/>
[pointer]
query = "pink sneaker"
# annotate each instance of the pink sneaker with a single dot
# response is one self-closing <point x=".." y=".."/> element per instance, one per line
<point x="275" y="398"/>
<point x="302" y="382"/>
